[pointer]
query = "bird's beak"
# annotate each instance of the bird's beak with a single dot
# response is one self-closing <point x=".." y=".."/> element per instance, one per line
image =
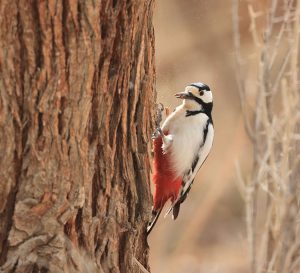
<point x="183" y="95"/>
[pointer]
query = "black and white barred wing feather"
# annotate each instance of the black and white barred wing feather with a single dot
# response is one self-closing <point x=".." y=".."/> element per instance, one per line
<point x="189" y="176"/>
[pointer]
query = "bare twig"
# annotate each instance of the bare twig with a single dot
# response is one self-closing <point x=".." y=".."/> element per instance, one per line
<point x="272" y="194"/>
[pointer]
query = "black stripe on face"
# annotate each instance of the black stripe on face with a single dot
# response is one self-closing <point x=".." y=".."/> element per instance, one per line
<point x="198" y="100"/>
<point x="192" y="113"/>
<point x="207" y="107"/>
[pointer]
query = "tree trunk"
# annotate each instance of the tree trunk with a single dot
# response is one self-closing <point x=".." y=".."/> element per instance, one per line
<point x="76" y="117"/>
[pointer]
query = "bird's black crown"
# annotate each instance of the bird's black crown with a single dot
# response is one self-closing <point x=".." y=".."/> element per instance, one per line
<point x="201" y="86"/>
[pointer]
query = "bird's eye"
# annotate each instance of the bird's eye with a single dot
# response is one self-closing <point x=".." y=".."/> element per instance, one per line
<point x="201" y="93"/>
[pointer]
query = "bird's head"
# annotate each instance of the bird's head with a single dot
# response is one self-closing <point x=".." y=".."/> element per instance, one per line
<point x="196" y="94"/>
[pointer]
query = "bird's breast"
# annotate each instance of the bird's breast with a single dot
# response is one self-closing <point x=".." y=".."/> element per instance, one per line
<point x="187" y="139"/>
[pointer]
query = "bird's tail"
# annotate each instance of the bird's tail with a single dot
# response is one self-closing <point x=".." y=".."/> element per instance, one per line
<point x="175" y="208"/>
<point x="155" y="215"/>
<point x="175" y="211"/>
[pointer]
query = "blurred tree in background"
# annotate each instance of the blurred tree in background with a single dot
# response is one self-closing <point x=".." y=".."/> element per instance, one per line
<point x="76" y="99"/>
<point x="272" y="116"/>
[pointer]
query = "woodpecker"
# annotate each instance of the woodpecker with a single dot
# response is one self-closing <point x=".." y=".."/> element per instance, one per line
<point x="180" y="147"/>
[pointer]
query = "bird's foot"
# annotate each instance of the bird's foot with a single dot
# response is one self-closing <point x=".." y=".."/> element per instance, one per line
<point x="156" y="133"/>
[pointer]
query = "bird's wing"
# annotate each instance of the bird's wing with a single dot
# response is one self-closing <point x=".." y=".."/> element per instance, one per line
<point x="189" y="177"/>
<point x="187" y="183"/>
<point x="183" y="192"/>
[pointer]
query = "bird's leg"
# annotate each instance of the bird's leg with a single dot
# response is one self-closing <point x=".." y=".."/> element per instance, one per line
<point x="159" y="110"/>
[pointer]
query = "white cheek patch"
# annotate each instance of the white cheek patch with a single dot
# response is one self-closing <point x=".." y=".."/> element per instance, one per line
<point x="207" y="97"/>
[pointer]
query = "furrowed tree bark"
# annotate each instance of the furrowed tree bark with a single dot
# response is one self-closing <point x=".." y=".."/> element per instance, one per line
<point x="76" y="117"/>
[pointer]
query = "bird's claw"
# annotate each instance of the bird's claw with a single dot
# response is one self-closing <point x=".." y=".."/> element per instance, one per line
<point x="157" y="132"/>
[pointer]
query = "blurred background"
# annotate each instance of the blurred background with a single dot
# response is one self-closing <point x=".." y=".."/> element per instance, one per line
<point x="194" y="42"/>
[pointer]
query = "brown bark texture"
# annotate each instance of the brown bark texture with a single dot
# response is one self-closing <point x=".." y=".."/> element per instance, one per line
<point x="76" y="117"/>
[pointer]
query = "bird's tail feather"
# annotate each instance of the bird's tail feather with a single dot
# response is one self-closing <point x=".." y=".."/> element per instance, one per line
<point x="175" y="207"/>
<point x="168" y="211"/>
<point x="175" y="211"/>
<point x="155" y="215"/>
